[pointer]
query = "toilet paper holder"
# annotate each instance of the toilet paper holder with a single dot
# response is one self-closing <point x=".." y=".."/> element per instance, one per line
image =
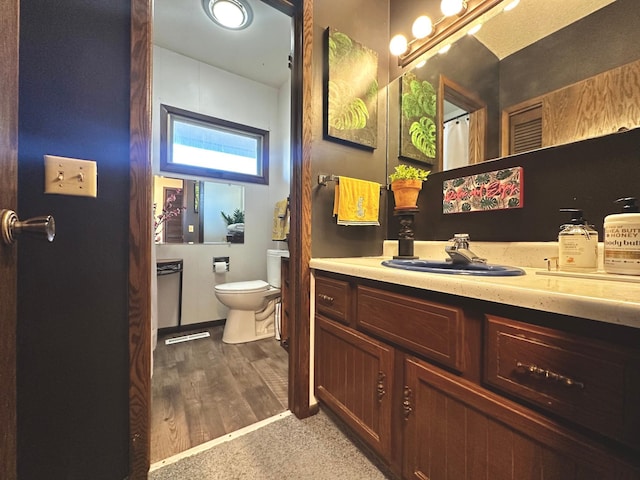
<point x="218" y="260"/>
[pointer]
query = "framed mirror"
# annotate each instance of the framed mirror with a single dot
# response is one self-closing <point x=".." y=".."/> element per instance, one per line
<point x="543" y="74"/>
<point x="195" y="212"/>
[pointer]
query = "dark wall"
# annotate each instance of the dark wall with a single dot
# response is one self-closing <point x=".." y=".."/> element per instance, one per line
<point x="589" y="175"/>
<point x="367" y="23"/>
<point x="72" y="293"/>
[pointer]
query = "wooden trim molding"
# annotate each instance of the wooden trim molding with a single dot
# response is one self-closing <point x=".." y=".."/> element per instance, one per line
<point x="300" y="200"/>
<point x="9" y="39"/>
<point x="140" y="235"/>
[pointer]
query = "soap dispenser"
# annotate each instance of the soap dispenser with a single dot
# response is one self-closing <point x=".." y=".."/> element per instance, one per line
<point x="622" y="239"/>
<point x="577" y="244"/>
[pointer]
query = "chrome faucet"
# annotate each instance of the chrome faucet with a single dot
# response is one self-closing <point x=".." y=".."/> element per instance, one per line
<point x="459" y="251"/>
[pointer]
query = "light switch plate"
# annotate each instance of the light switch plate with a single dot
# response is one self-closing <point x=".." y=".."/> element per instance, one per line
<point x="70" y="176"/>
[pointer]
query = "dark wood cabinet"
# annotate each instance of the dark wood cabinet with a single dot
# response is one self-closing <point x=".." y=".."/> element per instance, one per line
<point x="354" y="378"/>
<point x="394" y="365"/>
<point x="455" y="429"/>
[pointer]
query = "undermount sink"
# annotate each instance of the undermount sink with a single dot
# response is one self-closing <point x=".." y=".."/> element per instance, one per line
<point x="437" y="266"/>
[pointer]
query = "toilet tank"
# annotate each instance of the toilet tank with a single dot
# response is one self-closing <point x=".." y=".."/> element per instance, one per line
<point x="273" y="266"/>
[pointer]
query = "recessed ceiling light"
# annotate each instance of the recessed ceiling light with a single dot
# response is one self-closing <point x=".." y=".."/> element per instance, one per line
<point x="231" y="14"/>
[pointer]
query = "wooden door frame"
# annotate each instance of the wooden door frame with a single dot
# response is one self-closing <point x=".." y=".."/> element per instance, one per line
<point x="140" y="224"/>
<point x="9" y="40"/>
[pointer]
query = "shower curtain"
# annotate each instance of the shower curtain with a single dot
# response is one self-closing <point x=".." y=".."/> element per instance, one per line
<point x="455" y="143"/>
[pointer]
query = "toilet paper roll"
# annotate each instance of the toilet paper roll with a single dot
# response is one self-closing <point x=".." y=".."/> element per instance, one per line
<point x="220" y="267"/>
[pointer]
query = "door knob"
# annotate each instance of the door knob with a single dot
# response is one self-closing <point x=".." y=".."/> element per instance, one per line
<point x="11" y="227"/>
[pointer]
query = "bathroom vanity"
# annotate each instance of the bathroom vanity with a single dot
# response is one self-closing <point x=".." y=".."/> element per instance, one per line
<point x="481" y="378"/>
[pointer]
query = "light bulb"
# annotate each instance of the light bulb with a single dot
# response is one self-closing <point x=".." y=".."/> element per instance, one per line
<point x="422" y="27"/>
<point x="511" y="5"/>
<point x="451" y="7"/>
<point x="398" y="45"/>
<point x="228" y="13"/>
<point x="475" y="29"/>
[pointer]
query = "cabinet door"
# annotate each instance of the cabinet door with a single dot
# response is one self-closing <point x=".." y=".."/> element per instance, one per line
<point x="353" y="377"/>
<point x="455" y="430"/>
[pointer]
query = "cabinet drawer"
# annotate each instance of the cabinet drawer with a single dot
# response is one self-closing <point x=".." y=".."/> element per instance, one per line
<point x="332" y="298"/>
<point x="426" y="328"/>
<point x="591" y="383"/>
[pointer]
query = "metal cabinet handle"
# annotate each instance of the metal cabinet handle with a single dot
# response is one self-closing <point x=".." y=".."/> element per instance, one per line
<point x="11" y="227"/>
<point x="326" y="298"/>
<point x="548" y="375"/>
<point x="380" y="387"/>
<point x="406" y="402"/>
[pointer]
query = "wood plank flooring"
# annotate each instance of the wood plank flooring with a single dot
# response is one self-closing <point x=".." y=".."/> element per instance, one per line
<point x="203" y="389"/>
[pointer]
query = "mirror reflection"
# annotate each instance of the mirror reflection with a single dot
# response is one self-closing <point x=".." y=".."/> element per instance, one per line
<point x="520" y="83"/>
<point x="193" y="211"/>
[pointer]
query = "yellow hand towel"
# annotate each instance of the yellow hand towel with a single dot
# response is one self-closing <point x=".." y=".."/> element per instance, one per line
<point x="356" y="202"/>
<point x="280" y="221"/>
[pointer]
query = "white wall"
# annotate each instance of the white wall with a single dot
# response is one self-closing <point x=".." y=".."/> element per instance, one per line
<point x="185" y="83"/>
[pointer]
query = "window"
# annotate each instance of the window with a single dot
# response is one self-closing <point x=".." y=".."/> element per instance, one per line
<point x="196" y="144"/>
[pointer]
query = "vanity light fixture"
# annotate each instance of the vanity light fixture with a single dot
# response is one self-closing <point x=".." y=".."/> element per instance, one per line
<point x="231" y="14"/>
<point x="427" y="33"/>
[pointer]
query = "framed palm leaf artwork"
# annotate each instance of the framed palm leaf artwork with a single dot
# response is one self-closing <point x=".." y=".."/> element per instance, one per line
<point x="418" y="125"/>
<point x="351" y="91"/>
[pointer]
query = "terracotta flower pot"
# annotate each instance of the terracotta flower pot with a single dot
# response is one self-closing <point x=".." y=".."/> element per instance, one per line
<point x="405" y="193"/>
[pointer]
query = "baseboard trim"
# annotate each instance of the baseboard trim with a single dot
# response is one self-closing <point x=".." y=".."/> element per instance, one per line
<point x="190" y="326"/>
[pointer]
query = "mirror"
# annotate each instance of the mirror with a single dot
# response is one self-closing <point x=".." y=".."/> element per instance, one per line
<point x="193" y="211"/>
<point x="543" y="74"/>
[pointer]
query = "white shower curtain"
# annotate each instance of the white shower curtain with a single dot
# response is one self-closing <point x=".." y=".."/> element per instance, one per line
<point x="455" y="143"/>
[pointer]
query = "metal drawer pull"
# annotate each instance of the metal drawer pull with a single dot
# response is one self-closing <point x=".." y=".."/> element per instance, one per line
<point x="406" y="403"/>
<point x="549" y="375"/>
<point x="326" y="298"/>
<point x="381" y="390"/>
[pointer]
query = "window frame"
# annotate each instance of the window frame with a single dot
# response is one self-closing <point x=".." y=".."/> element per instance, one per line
<point x="167" y="165"/>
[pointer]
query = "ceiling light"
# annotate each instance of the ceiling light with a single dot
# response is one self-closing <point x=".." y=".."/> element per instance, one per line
<point x="231" y="14"/>
<point x="452" y="7"/>
<point x="444" y="49"/>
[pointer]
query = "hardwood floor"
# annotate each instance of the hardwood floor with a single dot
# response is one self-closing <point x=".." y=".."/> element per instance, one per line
<point x="203" y="389"/>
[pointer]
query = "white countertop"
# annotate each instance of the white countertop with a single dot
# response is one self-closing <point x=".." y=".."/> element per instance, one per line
<point x="601" y="300"/>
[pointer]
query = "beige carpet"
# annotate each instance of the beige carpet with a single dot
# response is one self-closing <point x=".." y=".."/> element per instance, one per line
<point x="313" y="448"/>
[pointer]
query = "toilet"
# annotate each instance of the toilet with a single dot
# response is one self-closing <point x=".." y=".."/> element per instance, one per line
<point x="252" y="303"/>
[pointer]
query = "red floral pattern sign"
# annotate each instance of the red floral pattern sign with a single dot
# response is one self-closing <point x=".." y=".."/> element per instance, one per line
<point x="496" y="190"/>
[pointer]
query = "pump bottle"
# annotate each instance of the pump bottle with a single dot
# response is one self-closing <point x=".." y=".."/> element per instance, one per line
<point x="577" y="244"/>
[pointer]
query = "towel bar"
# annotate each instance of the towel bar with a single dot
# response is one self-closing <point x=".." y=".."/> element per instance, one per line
<point x="324" y="178"/>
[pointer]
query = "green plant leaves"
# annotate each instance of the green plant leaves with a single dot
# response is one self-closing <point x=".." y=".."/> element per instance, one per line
<point x="423" y="136"/>
<point x="420" y="101"/>
<point x="348" y="112"/>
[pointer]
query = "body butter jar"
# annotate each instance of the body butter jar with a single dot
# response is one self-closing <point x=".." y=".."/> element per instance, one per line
<point x="622" y="239"/>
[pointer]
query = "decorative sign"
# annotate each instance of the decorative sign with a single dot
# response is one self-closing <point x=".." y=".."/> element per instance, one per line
<point x="496" y="190"/>
<point x="351" y="91"/>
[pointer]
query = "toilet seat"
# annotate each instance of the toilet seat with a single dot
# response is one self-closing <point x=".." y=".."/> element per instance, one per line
<point x="251" y="286"/>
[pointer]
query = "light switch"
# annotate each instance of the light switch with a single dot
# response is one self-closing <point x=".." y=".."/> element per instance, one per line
<point x="70" y="176"/>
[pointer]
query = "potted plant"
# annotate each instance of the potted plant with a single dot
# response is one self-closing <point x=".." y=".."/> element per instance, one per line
<point x="406" y="183"/>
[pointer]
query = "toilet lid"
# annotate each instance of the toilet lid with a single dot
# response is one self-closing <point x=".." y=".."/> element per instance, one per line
<point x="243" y="287"/>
